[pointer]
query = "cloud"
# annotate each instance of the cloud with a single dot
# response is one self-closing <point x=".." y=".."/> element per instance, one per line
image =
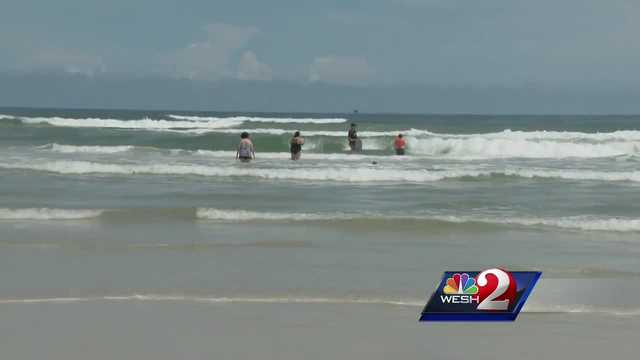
<point x="211" y="57"/>
<point x="343" y="70"/>
<point x="250" y="68"/>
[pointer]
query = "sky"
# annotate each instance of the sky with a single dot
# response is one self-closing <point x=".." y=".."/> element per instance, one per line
<point x="554" y="45"/>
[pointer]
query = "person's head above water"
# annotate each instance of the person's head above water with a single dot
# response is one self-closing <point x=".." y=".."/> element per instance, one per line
<point x="296" y="134"/>
<point x="244" y="135"/>
<point x="353" y="125"/>
<point x="400" y="136"/>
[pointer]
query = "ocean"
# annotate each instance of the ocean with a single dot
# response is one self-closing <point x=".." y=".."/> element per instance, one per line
<point x="139" y="228"/>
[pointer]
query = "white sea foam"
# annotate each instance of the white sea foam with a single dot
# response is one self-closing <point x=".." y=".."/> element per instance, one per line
<point x="485" y="147"/>
<point x="6" y="117"/>
<point x="287" y="155"/>
<point x="263" y="119"/>
<point x="114" y="149"/>
<point x="308" y="300"/>
<point x="243" y="215"/>
<point x="419" y="147"/>
<point x="567" y="136"/>
<point x="143" y="124"/>
<point x="48" y="214"/>
<point x="371" y="144"/>
<point x="588" y="223"/>
<point x="561" y="136"/>
<point x="203" y="124"/>
<point x="478" y="148"/>
<point x="307" y="133"/>
<point x="620" y="135"/>
<point x="187" y="124"/>
<point x="92" y="149"/>
<point x="218" y="300"/>
<point x="355" y="174"/>
<point x="592" y="175"/>
<point x="581" y="309"/>
<point x="363" y="174"/>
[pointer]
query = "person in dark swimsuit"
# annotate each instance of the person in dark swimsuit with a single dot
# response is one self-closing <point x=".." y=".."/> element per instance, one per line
<point x="296" y="145"/>
<point x="352" y="137"/>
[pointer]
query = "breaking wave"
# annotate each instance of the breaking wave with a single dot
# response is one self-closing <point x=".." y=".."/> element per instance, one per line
<point x="360" y="174"/>
<point x="313" y="174"/>
<point x="329" y="133"/>
<point x="243" y="215"/>
<point x="559" y="136"/>
<point x="224" y="300"/>
<point x="243" y="119"/>
<point x="189" y="123"/>
<point x="47" y="214"/>
<point x="141" y="124"/>
<point x="620" y="135"/>
<point x="197" y="121"/>
<point x="581" y="309"/>
<point x="179" y="122"/>
<point x="418" y="147"/>
<point x="585" y="223"/>
<point x="114" y="149"/>
<point x="286" y="155"/>
<point x="308" y="300"/>
<point x="589" y="223"/>
<point x="92" y="149"/>
<point x="485" y="147"/>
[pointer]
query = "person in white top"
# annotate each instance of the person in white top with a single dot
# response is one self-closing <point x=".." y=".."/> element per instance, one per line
<point x="246" y="151"/>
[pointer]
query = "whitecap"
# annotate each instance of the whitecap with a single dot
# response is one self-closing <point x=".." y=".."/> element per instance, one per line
<point x="48" y="214"/>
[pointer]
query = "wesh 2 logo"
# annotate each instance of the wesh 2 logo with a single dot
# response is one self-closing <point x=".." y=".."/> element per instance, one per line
<point x="489" y="295"/>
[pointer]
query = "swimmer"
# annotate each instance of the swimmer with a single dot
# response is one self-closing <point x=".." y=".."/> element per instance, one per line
<point x="399" y="144"/>
<point x="246" y="151"/>
<point x="352" y="137"/>
<point x="296" y="145"/>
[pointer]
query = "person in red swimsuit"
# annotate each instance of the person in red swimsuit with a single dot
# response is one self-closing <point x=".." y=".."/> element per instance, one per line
<point x="399" y="144"/>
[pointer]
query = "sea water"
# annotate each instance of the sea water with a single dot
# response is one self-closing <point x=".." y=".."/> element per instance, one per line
<point x="101" y="210"/>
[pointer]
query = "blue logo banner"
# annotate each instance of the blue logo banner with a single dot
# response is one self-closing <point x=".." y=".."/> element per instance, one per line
<point x="490" y="295"/>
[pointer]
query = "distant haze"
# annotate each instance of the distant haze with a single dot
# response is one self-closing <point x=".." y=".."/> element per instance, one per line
<point x="437" y="56"/>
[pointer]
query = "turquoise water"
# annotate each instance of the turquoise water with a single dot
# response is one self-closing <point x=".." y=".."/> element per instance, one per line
<point x="102" y="204"/>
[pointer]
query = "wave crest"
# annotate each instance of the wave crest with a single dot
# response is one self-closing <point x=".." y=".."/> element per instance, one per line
<point x="283" y="300"/>
<point x="195" y="124"/>
<point x="141" y="124"/>
<point x="585" y="222"/>
<point x="243" y="119"/>
<point x="484" y="147"/>
<point x="360" y="174"/>
<point x="92" y="149"/>
<point x="589" y="223"/>
<point x="48" y="214"/>
<point x="460" y="149"/>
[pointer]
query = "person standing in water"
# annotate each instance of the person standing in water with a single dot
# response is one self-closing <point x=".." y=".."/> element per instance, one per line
<point x="296" y="145"/>
<point x="352" y="137"/>
<point x="246" y="151"/>
<point x="399" y="144"/>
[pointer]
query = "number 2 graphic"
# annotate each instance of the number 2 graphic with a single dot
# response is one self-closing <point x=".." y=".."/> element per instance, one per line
<point x="489" y="303"/>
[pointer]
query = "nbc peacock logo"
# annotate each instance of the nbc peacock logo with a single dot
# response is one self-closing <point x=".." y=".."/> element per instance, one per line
<point x="493" y="294"/>
<point x="461" y="284"/>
